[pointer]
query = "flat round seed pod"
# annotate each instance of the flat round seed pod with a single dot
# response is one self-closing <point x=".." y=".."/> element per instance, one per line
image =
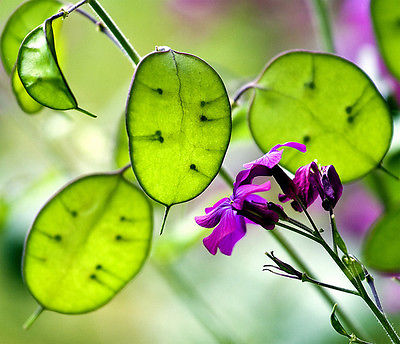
<point x="382" y="245"/>
<point x="24" y="19"/>
<point x="40" y="73"/>
<point x="179" y="124"/>
<point x="386" y="21"/>
<point x="327" y="103"/>
<point x="86" y="243"/>
<point x="25" y="101"/>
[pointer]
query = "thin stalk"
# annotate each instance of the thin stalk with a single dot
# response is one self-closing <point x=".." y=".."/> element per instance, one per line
<point x="391" y="174"/>
<point x="333" y="229"/>
<point x="64" y="13"/>
<point x="302" y="265"/>
<point x="196" y="304"/>
<point x="100" y="26"/>
<point x="306" y="278"/>
<point x="280" y="224"/>
<point x="242" y="91"/>
<point x="358" y="285"/>
<point x="296" y="258"/>
<point x="299" y="224"/>
<point x="119" y="36"/>
<point x="226" y="176"/>
<point x="29" y="322"/>
<point x="321" y="16"/>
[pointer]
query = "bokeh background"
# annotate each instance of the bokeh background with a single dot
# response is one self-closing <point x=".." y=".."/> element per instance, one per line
<point x="183" y="292"/>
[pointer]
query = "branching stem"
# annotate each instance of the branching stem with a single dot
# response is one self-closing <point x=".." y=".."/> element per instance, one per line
<point x="119" y="36"/>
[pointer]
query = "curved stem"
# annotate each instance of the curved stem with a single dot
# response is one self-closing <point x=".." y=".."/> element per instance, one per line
<point x="333" y="229"/>
<point x="321" y="16"/>
<point x="296" y="258"/>
<point x="226" y="176"/>
<point x="280" y="224"/>
<point x="119" y="36"/>
<point x="303" y="266"/>
<point x="354" y="279"/>
<point x="306" y="278"/>
<point x="242" y="91"/>
<point x="167" y="208"/>
<point x="100" y="26"/>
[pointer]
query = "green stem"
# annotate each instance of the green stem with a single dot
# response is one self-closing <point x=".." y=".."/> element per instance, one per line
<point x="119" y="36"/>
<point x="358" y="285"/>
<point x="226" y="177"/>
<point x="321" y="16"/>
<point x="296" y="258"/>
<point x="167" y="208"/>
<point x="302" y="265"/>
<point x="333" y="228"/>
<point x="196" y="304"/>
<point x="307" y="278"/>
<point x="28" y="323"/>
<point x="280" y="224"/>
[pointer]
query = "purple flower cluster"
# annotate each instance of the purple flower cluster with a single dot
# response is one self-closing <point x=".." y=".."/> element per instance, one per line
<point x="230" y="214"/>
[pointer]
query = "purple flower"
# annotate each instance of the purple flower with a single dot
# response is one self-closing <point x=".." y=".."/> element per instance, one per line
<point x="267" y="165"/>
<point x="230" y="225"/>
<point x="311" y="181"/>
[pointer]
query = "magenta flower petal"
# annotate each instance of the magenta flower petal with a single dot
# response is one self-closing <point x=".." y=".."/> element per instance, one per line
<point x="306" y="181"/>
<point x="247" y="176"/>
<point x="332" y="187"/>
<point x="216" y="205"/>
<point x="244" y="191"/>
<point x="226" y="226"/>
<point x="213" y="217"/>
<point x="273" y="157"/>
<point x="228" y="242"/>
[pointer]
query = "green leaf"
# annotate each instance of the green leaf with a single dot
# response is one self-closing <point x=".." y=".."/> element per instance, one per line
<point x="25" y="101"/>
<point x="329" y="104"/>
<point x="40" y="73"/>
<point x="25" y="18"/>
<point x="339" y="241"/>
<point x="385" y="16"/>
<point x="179" y="125"/>
<point x="382" y="246"/>
<point x="337" y="326"/>
<point x="337" y="238"/>
<point x="86" y="243"/>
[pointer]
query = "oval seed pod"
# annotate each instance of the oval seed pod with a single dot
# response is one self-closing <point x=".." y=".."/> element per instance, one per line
<point x="385" y="16"/>
<point x="24" y="19"/>
<point x="86" y="243"/>
<point x="381" y="247"/>
<point x="329" y="104"/>
<point x="179" y="125"/>
<point x="40" y="73"/>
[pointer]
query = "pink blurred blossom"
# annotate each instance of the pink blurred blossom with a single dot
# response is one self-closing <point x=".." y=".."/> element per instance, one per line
<point x="355" y="41"/>
<point x="357" y="210"/>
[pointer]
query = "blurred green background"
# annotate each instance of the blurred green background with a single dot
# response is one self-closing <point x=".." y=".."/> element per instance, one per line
<point x="40" y="153"/>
